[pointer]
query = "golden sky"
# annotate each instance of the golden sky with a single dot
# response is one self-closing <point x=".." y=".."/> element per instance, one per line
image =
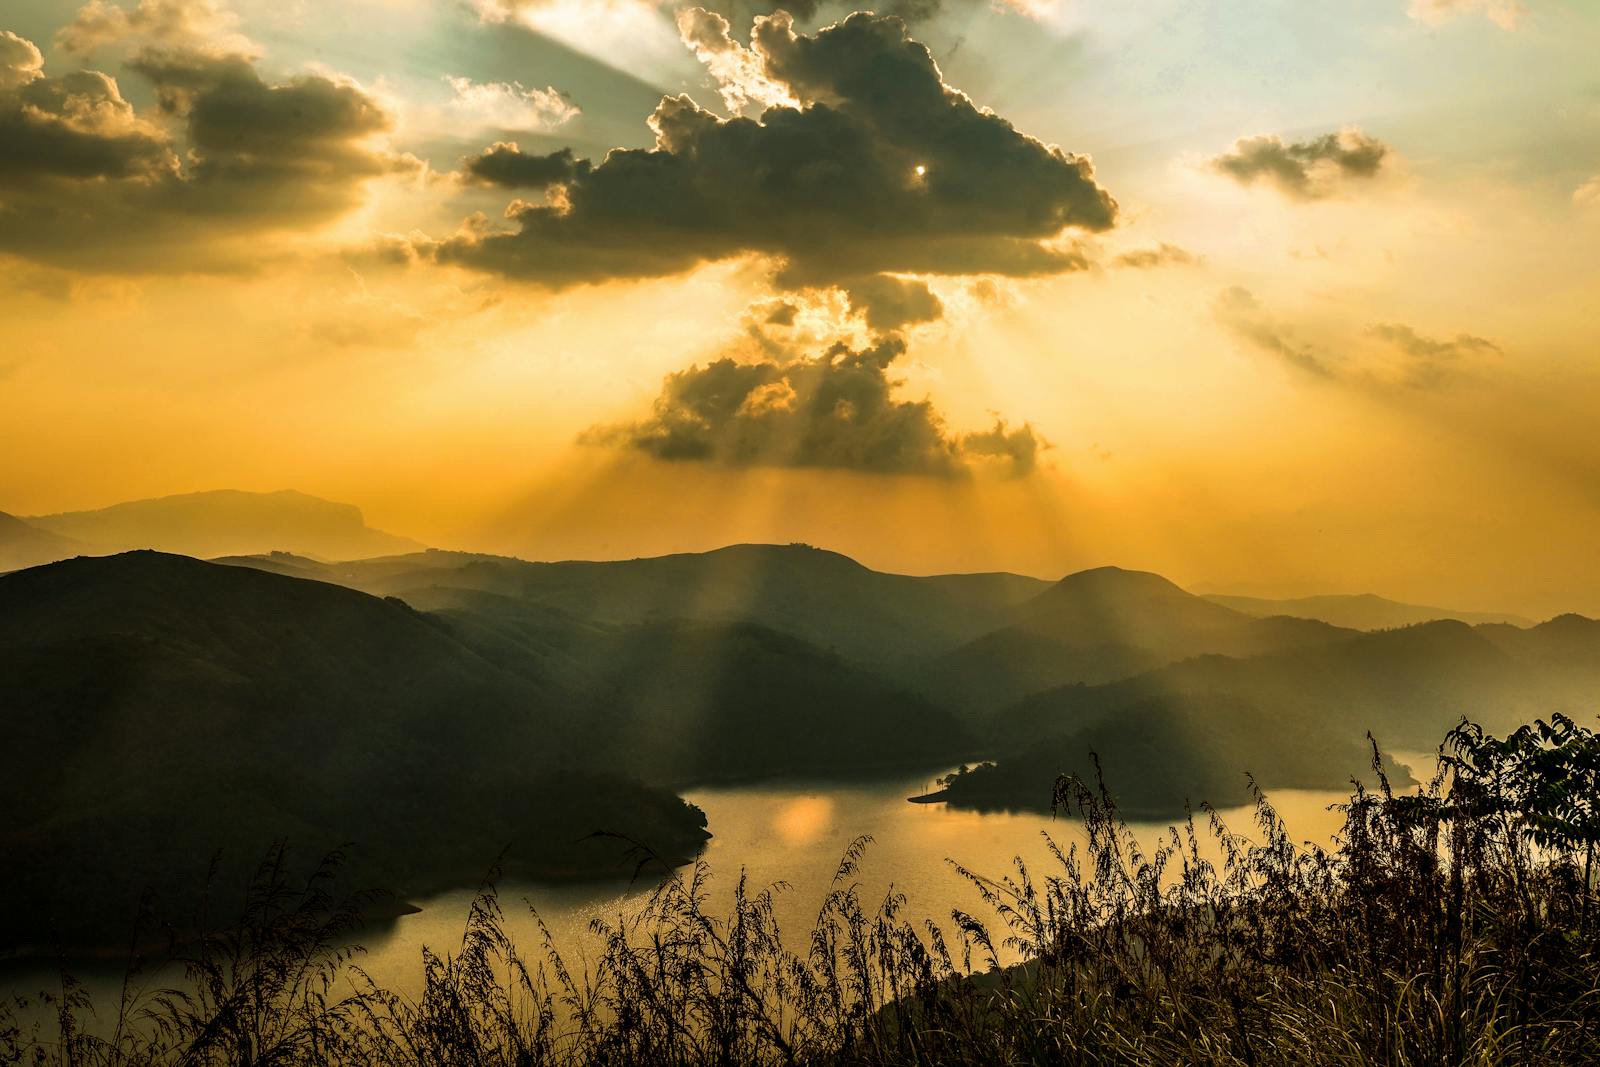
<point x="1276" y="296"/>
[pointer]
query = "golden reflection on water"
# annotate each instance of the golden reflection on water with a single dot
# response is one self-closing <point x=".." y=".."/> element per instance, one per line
<point x="804" y="820"/>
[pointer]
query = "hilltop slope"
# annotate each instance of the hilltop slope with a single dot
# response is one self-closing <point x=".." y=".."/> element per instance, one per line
<point x="824" y="598"/>
<point x="1100" y="625"/>
<point x="160" y="708"/>
<point x="1298" y="717"/>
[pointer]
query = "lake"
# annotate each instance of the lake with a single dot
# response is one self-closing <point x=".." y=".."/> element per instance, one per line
<point x="795" y="833"/>
<point x="792" y="833"/>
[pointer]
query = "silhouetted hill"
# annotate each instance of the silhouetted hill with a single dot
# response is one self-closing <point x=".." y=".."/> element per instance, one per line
<point x="1363" y="611"/>
<point x="821" y="597"/>
<point x="228" y="522"/>
<point x="24" y="545"/>
<point x="1100" y="625"/>
<point x="1294" y="718"/>
<point x="1159" y="754"/>
<point x="158" y="708"/>
<point x="689" y="701"/>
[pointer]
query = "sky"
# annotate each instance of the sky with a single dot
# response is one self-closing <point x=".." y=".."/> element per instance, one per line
<point x="1270" y="296"/>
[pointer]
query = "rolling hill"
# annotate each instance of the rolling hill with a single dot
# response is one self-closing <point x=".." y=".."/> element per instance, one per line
<point x="883" y="620"/>
<point x="160" y="708"/>
<point x="23" y="544"/>
<point x="1297" y="717"/>
<point x="1100" y="625"/>
<point x="1364" y="611"/>
<point x="687" y="701"/>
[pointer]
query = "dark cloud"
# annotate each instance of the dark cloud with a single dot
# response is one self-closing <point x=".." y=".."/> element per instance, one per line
<point x="781" y="313"/>
<point x="889" y="303"/>
<point x="1306" y="169"/>
<point x="835" y="410"/>
<point x="1164" y="255"/>
<point x="86" y="181"/>
<point x="1019" y="447"/>
<point x="506" y="165"/>
<point x="874" y="166"/>
<point x="76" y="126"/>
<point x="1239" y="310"/>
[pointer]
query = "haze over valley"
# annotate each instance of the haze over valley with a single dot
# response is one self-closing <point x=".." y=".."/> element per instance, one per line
<point x="438" y="709"/>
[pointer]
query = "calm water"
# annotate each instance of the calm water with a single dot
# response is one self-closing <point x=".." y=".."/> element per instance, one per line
<point x="796" y="834"/>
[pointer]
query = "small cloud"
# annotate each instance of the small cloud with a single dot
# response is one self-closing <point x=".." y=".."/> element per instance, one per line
<point x="1430" y="362"/>
<point x="1402" y="356"/>
<point x="889" y="303"/>
<point x="1588" y="194"/>
<point x="509" y="106"/>
<point x="1238" y="309"/>
<point x="781" y="313"/>
<point x="1503" y="13"/>
<point x="1020" y="447"/>
<point x="1306" y="170"/>
<point x="1164" y="255"/>
<point x="505" y="165"/>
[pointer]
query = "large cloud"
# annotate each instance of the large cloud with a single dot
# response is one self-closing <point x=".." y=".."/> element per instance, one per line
<point x="1304" y="169"/>
<point x="873" y="165"/>
<point x="86" y="181"/>
<point x="834" y="410"/>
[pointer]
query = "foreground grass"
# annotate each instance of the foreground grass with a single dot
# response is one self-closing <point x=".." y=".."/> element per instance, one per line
<point x="1451" y="926"/>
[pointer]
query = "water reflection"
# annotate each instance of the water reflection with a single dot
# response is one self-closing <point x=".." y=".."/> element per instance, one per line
<point x="803" y="820"/>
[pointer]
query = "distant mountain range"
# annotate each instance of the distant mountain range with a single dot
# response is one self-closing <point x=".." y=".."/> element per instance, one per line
<point x="435" y="707"/>
<point x="1362" y="611"/>
<point x="25" y="545"/>
<point x="199" y="524"/>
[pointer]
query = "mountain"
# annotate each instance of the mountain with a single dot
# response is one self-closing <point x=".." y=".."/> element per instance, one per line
<point x="687" y="701"/>
<point x="23" y="544"/>
<point x="1100" y="625"/>
<point x="1297" y="717"/>
<point x="826" y="599"/>
<point x="159" y="708"/>
<point x="1363" y="611"/>
<point x="228" y="522"/>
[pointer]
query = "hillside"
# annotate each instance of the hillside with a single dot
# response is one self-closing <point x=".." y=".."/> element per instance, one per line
<point x="160" y="708"/>
<point x="1364" y="611"/>
<point x="23" y="544"/>
<point x="688" y="701"/>
<point x="1294" y="718"/>
<point x="1100" y="625"/>
<point x="826" y="599"/>
<point x="228" y="522"/>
